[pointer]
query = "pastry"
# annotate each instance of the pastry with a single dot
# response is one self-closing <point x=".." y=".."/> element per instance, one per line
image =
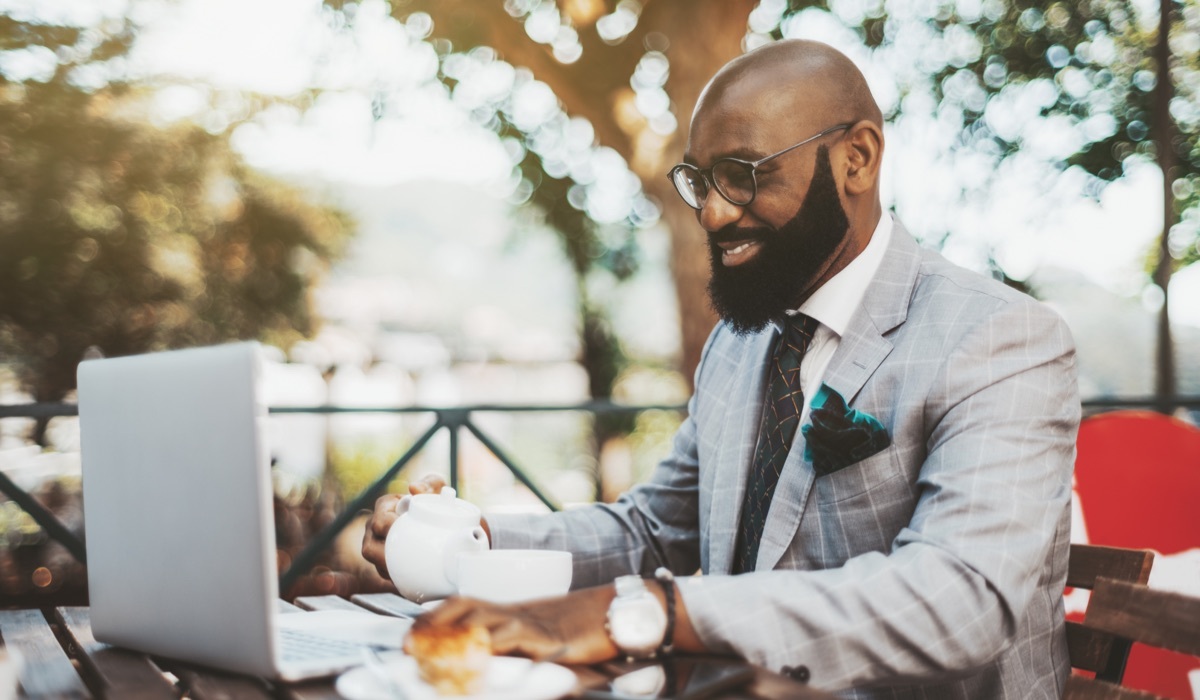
<point x="451" y="658"/>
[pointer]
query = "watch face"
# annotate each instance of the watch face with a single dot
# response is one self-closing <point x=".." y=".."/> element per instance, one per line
<point x="637" y="625"/>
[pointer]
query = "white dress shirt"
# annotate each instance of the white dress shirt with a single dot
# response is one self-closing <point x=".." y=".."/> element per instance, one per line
<point x="833" y="304"/>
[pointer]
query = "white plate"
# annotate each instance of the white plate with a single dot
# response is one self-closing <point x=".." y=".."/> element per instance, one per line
<point x="508" y="678"/>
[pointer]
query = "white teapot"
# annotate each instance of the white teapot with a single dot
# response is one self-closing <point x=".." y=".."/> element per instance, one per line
<point x="423" y="545"/>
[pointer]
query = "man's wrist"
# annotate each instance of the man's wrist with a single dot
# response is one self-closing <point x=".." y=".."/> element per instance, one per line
<point x="684" y="638"/>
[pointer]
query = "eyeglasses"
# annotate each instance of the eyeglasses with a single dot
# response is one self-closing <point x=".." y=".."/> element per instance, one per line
<point x="734" y="178"/>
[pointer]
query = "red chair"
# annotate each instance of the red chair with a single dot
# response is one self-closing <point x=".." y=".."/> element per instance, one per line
<point x="1137" y="476"/>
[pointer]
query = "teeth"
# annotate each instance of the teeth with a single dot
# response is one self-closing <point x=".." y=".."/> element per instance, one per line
<point x="739" y="249"/>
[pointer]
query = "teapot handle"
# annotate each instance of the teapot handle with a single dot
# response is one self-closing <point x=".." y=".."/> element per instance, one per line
<point x="470" y="540"/>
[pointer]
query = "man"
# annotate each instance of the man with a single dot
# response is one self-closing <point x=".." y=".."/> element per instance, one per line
<point x="899" y="522"/>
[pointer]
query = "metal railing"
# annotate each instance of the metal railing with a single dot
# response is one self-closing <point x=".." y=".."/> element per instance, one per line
<point x="453" y="420"/>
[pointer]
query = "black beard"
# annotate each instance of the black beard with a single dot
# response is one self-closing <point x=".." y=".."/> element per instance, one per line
<point x="751" y="295"/>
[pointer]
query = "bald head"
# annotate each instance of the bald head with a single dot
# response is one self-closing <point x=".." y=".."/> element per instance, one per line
<point x="794" y="77"/>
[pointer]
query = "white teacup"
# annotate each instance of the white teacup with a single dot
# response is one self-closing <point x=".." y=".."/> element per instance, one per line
<point x="514" y="575"/>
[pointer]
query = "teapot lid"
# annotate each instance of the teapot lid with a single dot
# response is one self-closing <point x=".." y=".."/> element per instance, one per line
<point x="445" y="508"/>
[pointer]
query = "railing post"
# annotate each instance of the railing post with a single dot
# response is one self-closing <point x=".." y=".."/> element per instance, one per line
<point x="454" y="420"/>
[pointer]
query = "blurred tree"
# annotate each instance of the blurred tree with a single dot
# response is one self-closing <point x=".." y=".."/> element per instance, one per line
<point x="606" y="62"/>
<point x="633" y="68"/>
<point x="122" y="237"/>
<point x="1123" y="79"/>
<point x="1091" y="62"/>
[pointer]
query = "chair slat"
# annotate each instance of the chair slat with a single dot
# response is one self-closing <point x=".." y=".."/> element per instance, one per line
<point x="1088" y="561"/>
<point x="1087" y="648"/>
<point x="1080" y="688"/>
<point x="1159" y="618"/>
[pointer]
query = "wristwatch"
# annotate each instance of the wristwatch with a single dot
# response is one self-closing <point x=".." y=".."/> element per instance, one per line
<point x="637" y="623"/>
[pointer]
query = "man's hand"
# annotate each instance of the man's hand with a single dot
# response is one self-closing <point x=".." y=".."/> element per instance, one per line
<point x="385" y="514"/>
<point x="569" y="628"/>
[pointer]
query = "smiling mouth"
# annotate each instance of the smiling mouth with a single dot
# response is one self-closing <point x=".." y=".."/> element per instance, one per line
<point x="737" y="252"/>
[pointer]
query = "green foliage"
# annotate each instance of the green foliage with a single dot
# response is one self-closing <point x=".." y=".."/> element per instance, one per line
<point x="127" y="238"/>
<point x="17" y="527"/>
<point x="1087" y="62"/>
<point x="355" y="467"/>
<point x="1099" y="56"/>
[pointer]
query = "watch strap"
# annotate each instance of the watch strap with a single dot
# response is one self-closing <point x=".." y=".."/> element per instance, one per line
<point x="667" y="581"/>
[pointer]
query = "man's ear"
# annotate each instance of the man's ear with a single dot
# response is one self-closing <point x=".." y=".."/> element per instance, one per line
<point x="864" y="154"/>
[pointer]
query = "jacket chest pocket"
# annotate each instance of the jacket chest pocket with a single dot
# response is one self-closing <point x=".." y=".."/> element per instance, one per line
<point x="863" y="477"/>
<point x="859" y="509"/>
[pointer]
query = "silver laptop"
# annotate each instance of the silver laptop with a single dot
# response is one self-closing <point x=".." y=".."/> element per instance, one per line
<point x="178" y="515"/>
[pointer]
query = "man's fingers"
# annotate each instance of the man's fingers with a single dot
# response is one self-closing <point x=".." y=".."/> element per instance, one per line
<point x="373" y="550"/>
<point x="504" y="628"/>
<point x="453" y="610"/>
<point x="384" y="514"/>
<point x="430" y="483"/>
<point x="511" y="637"/>
<point x="512" y="632"/>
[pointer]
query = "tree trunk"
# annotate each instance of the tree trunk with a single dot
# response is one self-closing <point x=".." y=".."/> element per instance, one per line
<point x="698" y="38"/>
<point x="1164" y="136"/>
<point x="704" y="37"/>
<point x="690" y="272"/>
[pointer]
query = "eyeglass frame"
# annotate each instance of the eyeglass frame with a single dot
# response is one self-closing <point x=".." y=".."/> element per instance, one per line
<point x="711" y="183"/>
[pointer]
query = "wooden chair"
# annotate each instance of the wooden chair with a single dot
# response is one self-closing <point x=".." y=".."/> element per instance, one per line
<point x="1136" y="481"/>
<point x="1137" y="613"/>
<point x="1091" y="649"/>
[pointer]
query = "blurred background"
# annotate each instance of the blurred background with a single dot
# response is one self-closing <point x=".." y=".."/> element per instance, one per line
<point x="446" y="203"/>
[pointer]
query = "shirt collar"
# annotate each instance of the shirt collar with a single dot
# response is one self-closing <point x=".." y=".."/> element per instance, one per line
<point x="834" y="303"/>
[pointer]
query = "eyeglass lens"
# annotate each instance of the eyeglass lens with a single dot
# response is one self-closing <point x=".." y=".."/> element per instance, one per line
<point x="691" y="186"/>
<point x="734" y="180"/>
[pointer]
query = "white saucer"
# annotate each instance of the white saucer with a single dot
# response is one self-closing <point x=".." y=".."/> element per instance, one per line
<point x="508" y="678"/>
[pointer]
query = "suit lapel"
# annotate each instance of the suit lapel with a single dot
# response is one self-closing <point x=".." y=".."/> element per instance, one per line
<point x="861" y="350"/>
<point x="739" y="434"/>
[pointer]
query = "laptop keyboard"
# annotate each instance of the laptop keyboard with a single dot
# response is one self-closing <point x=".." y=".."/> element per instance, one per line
<point x="295" y="646"/>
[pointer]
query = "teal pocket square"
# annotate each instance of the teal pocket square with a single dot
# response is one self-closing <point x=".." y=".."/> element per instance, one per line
<point x="838" y="436"/>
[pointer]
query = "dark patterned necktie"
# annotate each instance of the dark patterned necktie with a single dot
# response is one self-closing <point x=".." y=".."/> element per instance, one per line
<point x="781" y="417"/>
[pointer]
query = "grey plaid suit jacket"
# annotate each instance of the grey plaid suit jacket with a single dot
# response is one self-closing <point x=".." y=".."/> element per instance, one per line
<point x="934" y="569"/>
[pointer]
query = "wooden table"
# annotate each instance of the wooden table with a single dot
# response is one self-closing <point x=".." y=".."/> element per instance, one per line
<point x="63" y="660"/>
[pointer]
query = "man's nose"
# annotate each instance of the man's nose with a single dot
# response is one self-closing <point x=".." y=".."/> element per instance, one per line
<point x="718" y="212"/>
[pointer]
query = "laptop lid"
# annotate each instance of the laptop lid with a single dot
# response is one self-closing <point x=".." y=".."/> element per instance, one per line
<point x="177" y="506"/>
